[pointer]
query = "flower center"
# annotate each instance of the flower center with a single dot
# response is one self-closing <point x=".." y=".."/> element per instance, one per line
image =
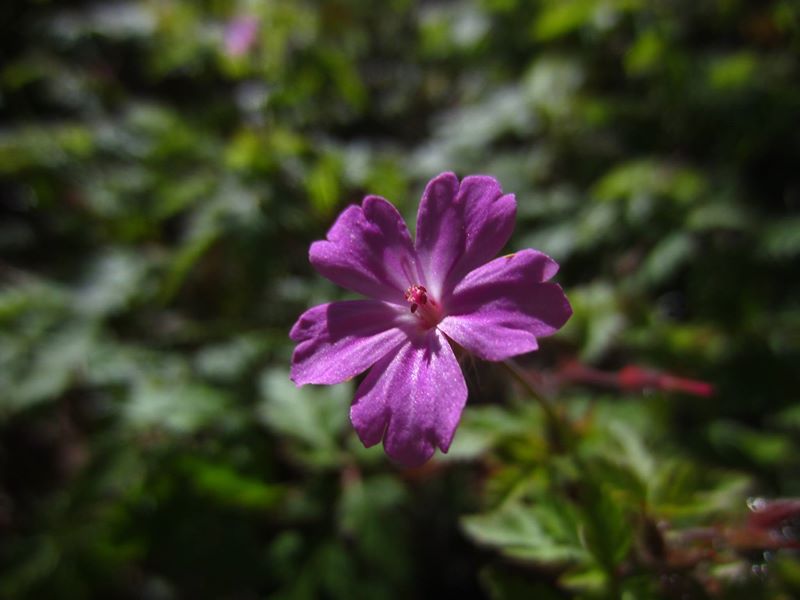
<point x="423" y="306"/>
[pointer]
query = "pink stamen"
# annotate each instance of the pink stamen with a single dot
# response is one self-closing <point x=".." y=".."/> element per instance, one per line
<point x="423" y="306"/>
<point x="417" y="294"/>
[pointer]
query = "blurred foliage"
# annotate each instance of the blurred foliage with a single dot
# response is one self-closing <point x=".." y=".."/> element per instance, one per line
<point x="158" y="192"/>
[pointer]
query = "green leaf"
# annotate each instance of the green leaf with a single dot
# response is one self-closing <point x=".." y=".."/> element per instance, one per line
<point x="654" y="178"/>
<point x="113" y="281"/>
<point x="314" y="416"/>
<point x="32" y="295"/>
<point x="634" y="450"/>
<point x="598" y="319"/>
<point x="58" y="360"/>
<point x="546" y="533"/>
<point x="683" y="493"/>
<point x="229" y="360"/>
<point x="666" y="258"/>
<point x="733" y="71"/>
<point x="368" y="514"/>
<point x="179" y="407"/>
<point x="618" y="476"/>
<point x="787" y="419"/>
<point x="764" y="448"/>
<point x="561" y="18"/>
<point x="227" y="486"/>
<point x="480" y="429"/>
<point x="559" y="239"/>
<point x="717" y="214"/>
<point x="590" y="579"/>
<point x="646" y="53"/>
<point x="781" y="239"/>
<point x="552" y="83"/>
<point x="324" y="183"/>
<point x="607" y="532"/>
<point x="674" y="487"/>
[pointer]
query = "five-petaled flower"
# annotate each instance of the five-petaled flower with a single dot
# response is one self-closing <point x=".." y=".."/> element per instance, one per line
<point x="423" y="295"/>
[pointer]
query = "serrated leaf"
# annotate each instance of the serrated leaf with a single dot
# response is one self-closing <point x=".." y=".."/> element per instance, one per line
<point x="539" y="534"/>
<point x="618" y="477"/>
<point x="681" y="492"/>
<point x="607" y="532"/>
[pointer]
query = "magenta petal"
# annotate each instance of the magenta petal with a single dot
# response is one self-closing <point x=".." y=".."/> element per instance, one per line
<point x="499" y="309"/>
<point x="488" y="220"/>
<point x="461" y="226"/>
<point x="412" y="400"/>
<point x="368" y="250"/>
<point x="339" y="340"/>
<point x="440" y="230"/>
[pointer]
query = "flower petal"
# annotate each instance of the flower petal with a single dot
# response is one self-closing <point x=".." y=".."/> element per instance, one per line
<point x="413" y="400"/>
<point x="461" y="226"/>
<point x="499" y="309"/>
<point x="488" y="219"/>
<point x="339" y="340"/>
<point x="440" y="230"/>
<point x="368" y="250"/>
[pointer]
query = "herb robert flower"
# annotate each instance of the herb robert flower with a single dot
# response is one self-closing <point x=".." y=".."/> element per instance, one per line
<point x="423" y="295"/>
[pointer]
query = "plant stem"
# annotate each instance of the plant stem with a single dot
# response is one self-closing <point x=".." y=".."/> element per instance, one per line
<point x="557" y="428"/>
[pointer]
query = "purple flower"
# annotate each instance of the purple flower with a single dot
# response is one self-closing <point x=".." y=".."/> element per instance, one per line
<point x="240" y="35"/>
<point x="423" y="296"/>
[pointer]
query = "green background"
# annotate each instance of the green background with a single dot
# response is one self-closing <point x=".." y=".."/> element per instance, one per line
<point x="157" y="199"/>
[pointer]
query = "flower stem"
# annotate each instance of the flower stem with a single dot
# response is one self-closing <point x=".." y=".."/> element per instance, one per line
<point x="558" y="430"/>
